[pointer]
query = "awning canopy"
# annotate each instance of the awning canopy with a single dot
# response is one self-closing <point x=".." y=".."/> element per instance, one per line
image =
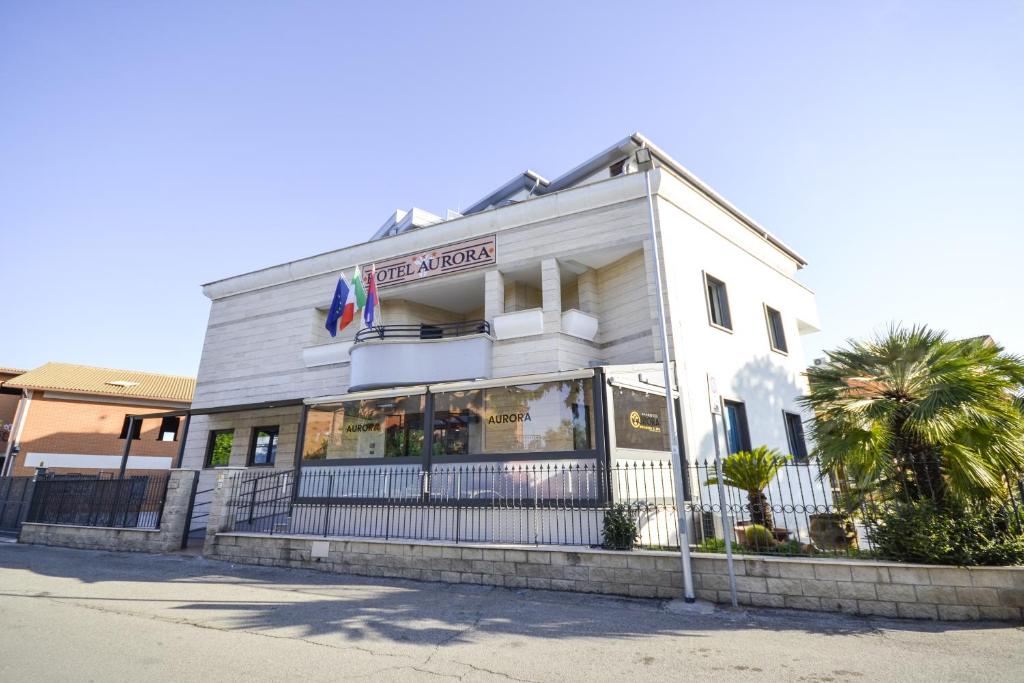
<point x="264" y="405"/>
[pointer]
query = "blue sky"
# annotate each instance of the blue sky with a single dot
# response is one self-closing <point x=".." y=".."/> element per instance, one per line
<point x="146" y="148"/>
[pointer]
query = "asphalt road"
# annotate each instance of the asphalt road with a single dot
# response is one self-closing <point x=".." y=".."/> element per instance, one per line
<point x="81" y="615"/>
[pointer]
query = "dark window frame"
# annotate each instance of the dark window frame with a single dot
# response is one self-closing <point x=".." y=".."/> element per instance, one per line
<point x="136" y="429"/>
<point x="776" y="333"/>
<point x="211" y="439"/>
<point x="251" y="459"/>
<point x="164" y="422"/>
<point x="743" y="425"/>
<point x="797" y="442"/>
<point x="726" y="323"/>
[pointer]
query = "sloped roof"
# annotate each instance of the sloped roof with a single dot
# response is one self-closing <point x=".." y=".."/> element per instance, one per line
<point x="12" y="371"/>
<point x="84" y="379"/>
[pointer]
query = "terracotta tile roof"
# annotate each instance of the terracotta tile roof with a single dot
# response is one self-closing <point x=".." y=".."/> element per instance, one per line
<point x="12" y="371"/>
<point x="84" y="379"/>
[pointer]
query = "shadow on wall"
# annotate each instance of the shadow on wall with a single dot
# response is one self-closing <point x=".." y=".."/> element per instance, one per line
<point x="354" y="608"/>
<point x="766" y="390"/>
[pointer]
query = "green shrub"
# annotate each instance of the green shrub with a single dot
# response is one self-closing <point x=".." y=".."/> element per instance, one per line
<point x="757" y="537"/>
<point x="711" y="545"/>
<point x="620" y="530"/>
<point x="932" y="533"/>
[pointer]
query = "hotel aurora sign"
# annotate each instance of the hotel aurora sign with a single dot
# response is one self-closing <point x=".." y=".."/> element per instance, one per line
<point x="452" y="258"/>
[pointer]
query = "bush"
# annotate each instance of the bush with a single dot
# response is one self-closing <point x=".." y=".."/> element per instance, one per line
<point x="758" y="537"/>
<point x="711" y="545"/>
<point x="620" y="530"/>
<point x="931" y="533"/>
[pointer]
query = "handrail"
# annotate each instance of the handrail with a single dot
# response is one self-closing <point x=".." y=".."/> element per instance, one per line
<point x="424" y="331"/>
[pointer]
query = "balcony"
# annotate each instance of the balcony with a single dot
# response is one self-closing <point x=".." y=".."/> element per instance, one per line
<point x="402" y="355"/>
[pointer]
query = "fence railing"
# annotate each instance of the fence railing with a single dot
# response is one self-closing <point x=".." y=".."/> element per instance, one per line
<point x="800" y="512"/>
<point x="424" y="330"/>
<point x="543" y="504"/>
<point x="84" y="500"/>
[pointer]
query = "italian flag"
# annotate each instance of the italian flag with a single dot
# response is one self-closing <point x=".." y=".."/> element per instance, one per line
<point x="355" y="301"/>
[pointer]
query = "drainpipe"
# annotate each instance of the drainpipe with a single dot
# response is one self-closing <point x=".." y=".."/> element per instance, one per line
<point x="645" y="163"/>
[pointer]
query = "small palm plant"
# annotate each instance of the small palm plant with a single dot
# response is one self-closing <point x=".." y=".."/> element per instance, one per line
<point x="752" y="471"/>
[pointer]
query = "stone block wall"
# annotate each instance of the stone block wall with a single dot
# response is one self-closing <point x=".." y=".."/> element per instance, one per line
<point x="173" y="521"/>
<point x="887" y="589"/>
<point x="854" y="587"/>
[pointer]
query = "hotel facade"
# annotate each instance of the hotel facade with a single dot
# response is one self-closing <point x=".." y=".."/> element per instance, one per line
<point x="521" y="332"/>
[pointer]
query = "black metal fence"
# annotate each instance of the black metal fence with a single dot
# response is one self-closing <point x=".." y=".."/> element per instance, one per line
<point x="803" y="511"/>
<point x="103" y="501"/>
<point x="15" y="496"/>
<point x="800" y="512"/>
<point x="542" y="504"/>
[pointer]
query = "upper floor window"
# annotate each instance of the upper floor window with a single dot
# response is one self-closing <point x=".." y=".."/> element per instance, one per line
<point x="795" y="436"/>
<point x="263" y="447"/>
<point x="136" y="428"/>
<point x="776" y="333"/>
<point x="168" y="429"/>
<point x="718" y="303"/>
<point x="736" y="431"/>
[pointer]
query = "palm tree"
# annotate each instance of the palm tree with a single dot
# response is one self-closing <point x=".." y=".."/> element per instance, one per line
<point x="752" y="471"/>
<point x="915" y="414"/>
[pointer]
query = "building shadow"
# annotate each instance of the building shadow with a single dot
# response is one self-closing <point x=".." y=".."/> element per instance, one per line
<point x="357" y="608"/>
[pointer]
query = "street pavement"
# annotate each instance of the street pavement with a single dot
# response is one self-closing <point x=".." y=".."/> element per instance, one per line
<point x="75" y="615"/>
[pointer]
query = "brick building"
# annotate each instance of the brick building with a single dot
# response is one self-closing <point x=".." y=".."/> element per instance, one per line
<point x="74" y="418"/>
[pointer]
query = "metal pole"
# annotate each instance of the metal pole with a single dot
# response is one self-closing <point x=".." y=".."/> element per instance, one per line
<point x="677" y="478"/>
<point x="184" y="436"/>
<point x="726" y="529"/>
<point x="127" y="446"/>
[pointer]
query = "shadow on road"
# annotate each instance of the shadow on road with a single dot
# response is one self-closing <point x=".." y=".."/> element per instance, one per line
<point x="357" y="608"/>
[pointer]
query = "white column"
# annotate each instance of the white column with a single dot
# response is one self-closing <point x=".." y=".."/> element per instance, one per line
<point x="551" y="295"/>
<point x="586" y="286"/>
<point x="494" y="295"/>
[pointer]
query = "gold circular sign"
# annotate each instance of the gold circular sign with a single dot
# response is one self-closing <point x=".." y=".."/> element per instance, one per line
<point x="634" y="419"/>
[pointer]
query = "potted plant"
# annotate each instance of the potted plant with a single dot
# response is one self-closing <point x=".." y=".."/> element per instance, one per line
<point x="832" y="530"/>
<point x="752" y="471"/>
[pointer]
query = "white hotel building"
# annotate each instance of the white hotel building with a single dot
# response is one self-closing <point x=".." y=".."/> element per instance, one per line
<point x="523" y="330"/>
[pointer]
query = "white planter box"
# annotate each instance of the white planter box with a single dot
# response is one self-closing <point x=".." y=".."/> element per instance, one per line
<point x="579" y="324"/>
<point x="519" y="324"/>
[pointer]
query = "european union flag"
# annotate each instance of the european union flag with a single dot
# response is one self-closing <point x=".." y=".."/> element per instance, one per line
<point x="337" y="306"/>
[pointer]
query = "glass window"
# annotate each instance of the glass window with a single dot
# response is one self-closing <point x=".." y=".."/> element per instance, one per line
<point x="529" y="418"/>
<point x="640" y="420"/>
<point x="263" y="449"/>
<point x="168" y="429"/>
<point x="374" y="428"/>
<point x="718" y="303"/>
<point x="795" y="437"/>
<point x="776" y="334"/>
<point x="737" y="433"/>
<point x="218" y="448"/>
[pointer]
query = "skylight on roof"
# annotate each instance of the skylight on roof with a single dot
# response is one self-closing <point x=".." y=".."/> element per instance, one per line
<point x="123" y="383"/>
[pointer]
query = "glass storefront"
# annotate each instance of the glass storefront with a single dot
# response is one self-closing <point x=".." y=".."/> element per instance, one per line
<point x="373" y="428"/>
<point x="546" y="417"/>
<point x="528" y="418"/>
